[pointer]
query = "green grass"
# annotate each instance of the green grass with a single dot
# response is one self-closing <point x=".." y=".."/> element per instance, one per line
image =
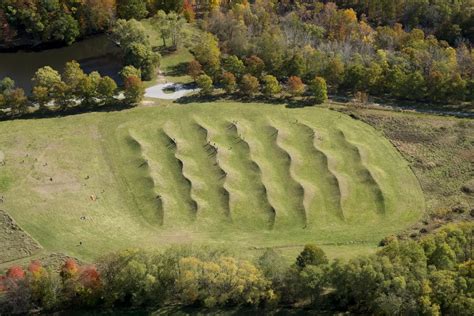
<point x="245" y="176"/>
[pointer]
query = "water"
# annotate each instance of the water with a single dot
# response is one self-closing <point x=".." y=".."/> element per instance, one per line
<point x="95" y="53"/>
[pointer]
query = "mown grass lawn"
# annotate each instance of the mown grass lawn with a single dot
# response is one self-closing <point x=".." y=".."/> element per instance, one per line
<point x="242" y="176"/>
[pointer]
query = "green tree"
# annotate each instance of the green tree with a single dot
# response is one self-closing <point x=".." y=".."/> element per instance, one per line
<point x="106" y="89"/>
<point x="207" y="52"/>
<point x="319" y="90"/>
<point x="131" y="9"/>
<point x="41" y="96"/>
<point x="271" y="86"/>
<point x="234" y="65"/>
<point x="63" y="28"/>
<point x="205" y="83"/>
<point x="46" y="77"/>
<point x="334" y="72"/>
<point x="124" y="33"/>
<point x="129" y="71"/>
<point x="311" y="255"/>
<point x="294" y="66"/>
<point x="6" y="84"/>
<point x="249" y="85"/>
<point x="313" y="280"/>
<point x="141" y="56"/>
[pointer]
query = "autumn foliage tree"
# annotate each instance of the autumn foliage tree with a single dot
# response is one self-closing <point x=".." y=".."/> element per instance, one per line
<point x="188" y="11"/>
<point x="229" y="81"/>
<point x="194" y="69"/>
<point x="249" y="85"/>
<point x="296" y="86"/>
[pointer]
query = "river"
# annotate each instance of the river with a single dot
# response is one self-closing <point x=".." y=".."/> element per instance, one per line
<point x="94" y="53"/>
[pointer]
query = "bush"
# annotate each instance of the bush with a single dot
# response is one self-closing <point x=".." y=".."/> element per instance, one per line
<point x="271" y="86"/>
<point x="205" y="83"/>
<point x="249" y="85"/>
<point x="295" y="86"/>
<point x="311" y="255"/>
<point x="229" y="81"/>
<point x="319" y="90"/>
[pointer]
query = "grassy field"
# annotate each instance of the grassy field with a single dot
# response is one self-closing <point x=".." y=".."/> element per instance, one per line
<point x="244" y="176"/>
<point x="440" y="151"/>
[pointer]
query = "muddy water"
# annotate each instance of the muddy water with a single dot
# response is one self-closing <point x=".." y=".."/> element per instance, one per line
<point x="96" y="53"/>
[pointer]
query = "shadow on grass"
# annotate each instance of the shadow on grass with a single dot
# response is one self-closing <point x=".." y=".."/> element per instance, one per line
<point x="287" y="101"/>
<point x="180" y="69"/>
<point x="38" y="114"/>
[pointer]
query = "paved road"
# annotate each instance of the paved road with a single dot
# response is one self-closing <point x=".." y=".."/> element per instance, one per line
<point x="158" y="92"/>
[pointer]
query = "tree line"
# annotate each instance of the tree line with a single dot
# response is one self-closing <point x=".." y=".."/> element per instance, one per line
<point x="430" y="276"/>
<point x="72" y="90"/>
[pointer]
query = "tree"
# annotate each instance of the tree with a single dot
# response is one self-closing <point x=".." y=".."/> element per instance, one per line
<point x="163" y="24"/>
<point x="249" y="85"/>
<point x="221" y="282"/>
<point x="188" y="11"/>
<point x="234" y="65"/>
<point x="334" y="72"/>
<point x="311" y="255"/>
<point x="46" y="77"/>
<point x="204" y="82"/>
<point x="295" y="86"/>
<point x="271" y="86"/>
<point x="313" y="280"/>
<point x="125" y="33"/>
<point x="6" y="84"/>
<point x="295" y="66"/>
<point x="207" y="52"/>
<point x="41" y="95"/>
<point x="141" y="56"/>
<point x="63" y="28"/>
<point x="255" y="65"/>
<point x="106" y="89"/>
<point x="72" y="73"/>
<point x="319" y="90"/>
<point x="170" y="26"/>
<point x="131" y="9"/>
<point x="129" y="71"/>
<point x="17" y="101"/>
<point x="134" y="90"/>
<point x="194" y="69"/>
<point x="229" y="81"/>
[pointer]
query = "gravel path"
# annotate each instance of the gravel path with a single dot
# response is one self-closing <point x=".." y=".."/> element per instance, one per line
<point x="158" y="92"/>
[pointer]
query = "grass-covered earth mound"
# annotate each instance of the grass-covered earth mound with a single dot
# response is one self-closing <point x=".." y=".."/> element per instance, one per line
<point x="245" y="176"/>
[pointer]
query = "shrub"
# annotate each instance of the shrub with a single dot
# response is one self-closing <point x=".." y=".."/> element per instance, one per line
<point x="311" y="255"/>
<point x="271" y="86"/>
<point x="249" y="85"/>
<point x="204" y="82"/>
<point x="134" y="90"/>
<point x="229" y="81"/>
<point x="295" y="86"/>
<point x="319" y="90"/>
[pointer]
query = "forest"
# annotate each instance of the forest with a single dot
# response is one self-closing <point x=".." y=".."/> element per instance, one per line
<point x="430" y="276"/>
<point x="386" y="49"/>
